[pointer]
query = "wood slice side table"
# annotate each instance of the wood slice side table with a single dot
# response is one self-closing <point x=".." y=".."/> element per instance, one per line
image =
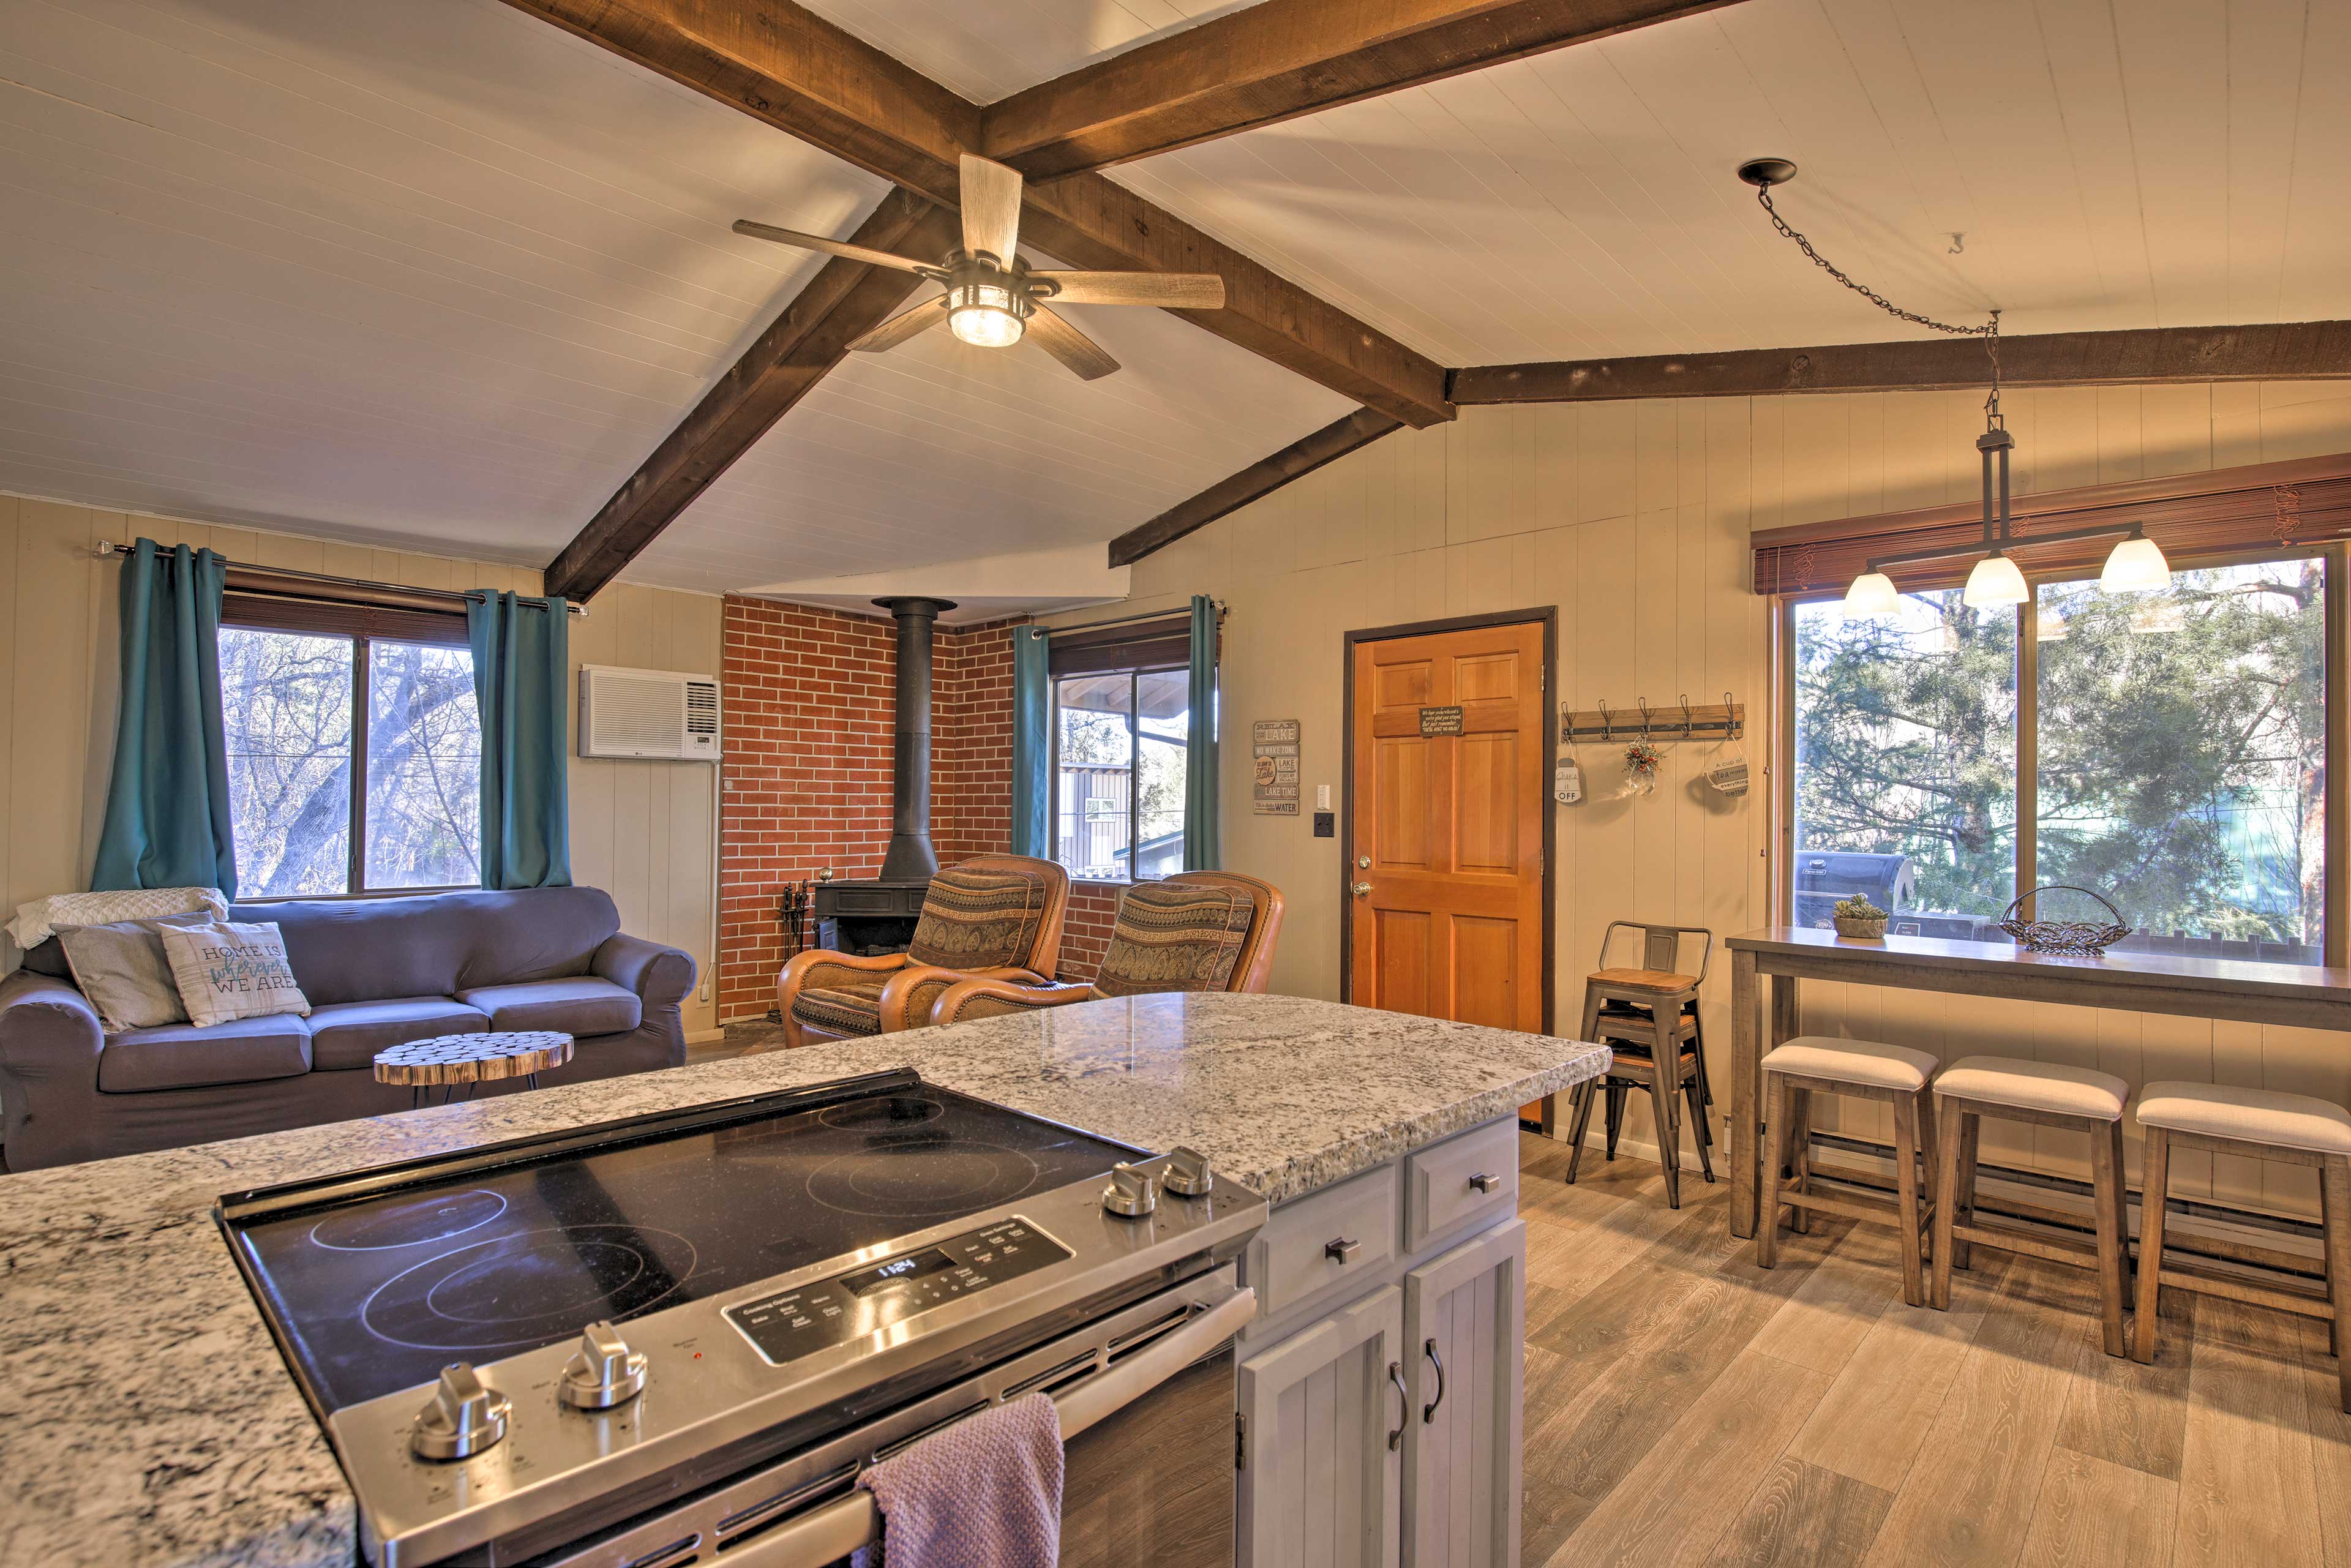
<point x="448" y="1061"/>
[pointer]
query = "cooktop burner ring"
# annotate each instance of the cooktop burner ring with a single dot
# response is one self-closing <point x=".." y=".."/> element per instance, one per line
<point x="548" y="1283"/>
<point x="888" y="1112"/>
<point x="435" y="1217"/>
<point x="940" y="1178"/>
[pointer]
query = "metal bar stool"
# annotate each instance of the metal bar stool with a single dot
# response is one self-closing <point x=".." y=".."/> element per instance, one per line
<point x="2296" y="1129"/>
<point x="1650" y="1014"/>
<point x="2046" y="1095"/>
<point x="1858" y="1070"/>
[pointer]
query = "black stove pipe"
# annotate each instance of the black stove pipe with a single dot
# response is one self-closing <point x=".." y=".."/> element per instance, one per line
<point x="910" y="857"/>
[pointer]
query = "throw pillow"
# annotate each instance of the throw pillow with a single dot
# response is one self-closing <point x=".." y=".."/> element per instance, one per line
<point x="37" y="922"/>
<point x="122" y="968"/>
<point x="230" y="971"/>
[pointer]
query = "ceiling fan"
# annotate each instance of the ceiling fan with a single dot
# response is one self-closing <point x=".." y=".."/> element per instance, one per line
<point x="992" y="298"/>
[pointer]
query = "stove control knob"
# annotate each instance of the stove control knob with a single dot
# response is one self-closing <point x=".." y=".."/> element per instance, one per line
<point x="1131" y="1192"/>
<point x="466" y="1416"/>
<point x="1187" y="1174"/>
<point x="605" y="1372"/>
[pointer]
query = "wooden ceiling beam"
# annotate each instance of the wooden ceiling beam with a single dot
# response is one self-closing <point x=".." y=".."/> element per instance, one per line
<point x="780" y="63"/>
<point x="2295" y="350"/>
<point x="845" y="300"/>
<point x="1259" y="479"/>
<point x="1279" y="59"/>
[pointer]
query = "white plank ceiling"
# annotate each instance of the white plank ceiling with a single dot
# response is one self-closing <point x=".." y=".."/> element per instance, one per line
<point x="437" y="275"/>
<point x="2162" y="163"/>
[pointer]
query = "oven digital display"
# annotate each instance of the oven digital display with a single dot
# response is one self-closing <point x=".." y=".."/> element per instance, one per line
<point x="908" y="1266"/>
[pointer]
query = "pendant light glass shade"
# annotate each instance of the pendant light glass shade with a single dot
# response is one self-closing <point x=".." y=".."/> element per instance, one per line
<point x="1872" y="593"/>
<point x="2136" y="565"/>
<point x="983" y="315"/>
<point x="1994" y="581"/>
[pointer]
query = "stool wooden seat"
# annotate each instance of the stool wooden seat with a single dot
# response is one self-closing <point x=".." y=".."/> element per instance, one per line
<point x="1859" y="1070"/>
<point x="2046" y="1094"/>
<point x="2296" y="1129"/>
<point x="1649" y="1014"/>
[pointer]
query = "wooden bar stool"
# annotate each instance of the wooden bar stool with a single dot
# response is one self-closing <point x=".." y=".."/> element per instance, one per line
<point x="2046" y="1095"/>
<point x="2269" y="1125"/>
<point x="1858" y="1070"/>
<point x="1649" y="1014"/>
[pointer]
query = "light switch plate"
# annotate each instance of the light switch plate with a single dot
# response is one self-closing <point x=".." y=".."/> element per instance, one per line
<point x="1321" y="797"/>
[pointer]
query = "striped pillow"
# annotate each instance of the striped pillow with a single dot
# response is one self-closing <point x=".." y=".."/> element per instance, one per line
<point x="979" y="919"/>
<point x="1176" y="937"/>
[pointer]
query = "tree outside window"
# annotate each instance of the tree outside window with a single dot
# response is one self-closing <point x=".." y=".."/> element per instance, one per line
<point x="1120" y="740"/>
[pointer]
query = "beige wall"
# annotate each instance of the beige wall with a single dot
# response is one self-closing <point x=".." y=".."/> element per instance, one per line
<point x="643" y="829"/>
<point x="1633" y="519"/>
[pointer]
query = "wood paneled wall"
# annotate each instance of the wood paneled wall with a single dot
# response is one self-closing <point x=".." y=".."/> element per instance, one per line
<point x="644" y="830"/>
<point x="1633" y="518"/>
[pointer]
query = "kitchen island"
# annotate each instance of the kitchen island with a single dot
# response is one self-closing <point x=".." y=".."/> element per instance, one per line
<point x="155" y="1423"/>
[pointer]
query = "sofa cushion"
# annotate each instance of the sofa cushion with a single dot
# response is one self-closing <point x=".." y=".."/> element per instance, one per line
<point x="979" y="919"/>
<point x="438" y="945"/>
<point x="853" y="1009"/>
<point x="345" y="1036"/>
<point x="579" y="1008"/>
<point x="124" y="972"/>
<point x="1176" y="937"/>
<point x="185" y="1055"/>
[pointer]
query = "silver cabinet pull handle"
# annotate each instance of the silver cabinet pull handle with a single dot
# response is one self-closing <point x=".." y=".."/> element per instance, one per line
<point x="1403" y="1407"/>
<point x="1339" y="1250"/>
<point x="1428" y="1411"/>
<point x="1485" y="1181"/>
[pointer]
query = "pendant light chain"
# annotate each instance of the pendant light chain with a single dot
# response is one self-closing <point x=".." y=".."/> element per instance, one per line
<point x="1989" y="332"/>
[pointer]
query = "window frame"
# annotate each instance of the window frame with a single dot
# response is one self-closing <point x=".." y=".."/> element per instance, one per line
<point x="1133" y="674"/>
<point x="364" y="625"/>
<point x="2335" y="935"/>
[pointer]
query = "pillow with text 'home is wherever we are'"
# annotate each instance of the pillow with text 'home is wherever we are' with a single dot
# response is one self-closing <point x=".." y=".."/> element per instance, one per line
<point x="231" y="971"/>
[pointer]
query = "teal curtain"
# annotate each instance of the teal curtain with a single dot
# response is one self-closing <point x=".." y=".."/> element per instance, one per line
<point x="1203" y="834"/>
<point x="167" y="816"/>
<point x="522" y="681"/>
<point x="1032" y="744"/>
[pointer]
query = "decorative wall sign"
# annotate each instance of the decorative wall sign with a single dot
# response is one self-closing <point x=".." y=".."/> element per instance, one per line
<point x="1273" y="779"/>
<point x="1440" y="721"/>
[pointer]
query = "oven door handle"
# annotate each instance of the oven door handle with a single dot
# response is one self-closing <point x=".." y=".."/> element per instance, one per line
<point x="845" y="1524"/>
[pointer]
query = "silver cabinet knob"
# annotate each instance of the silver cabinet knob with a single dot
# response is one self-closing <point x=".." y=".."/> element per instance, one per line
<point x="466" y="1416"/>
<point x="1361" y="890"/>
<point x="1186" y="1174"/>
<point x="1340" y="1249"/>
<point x="1484" y="1182"/>
<point x="605" y="1372"/>
<point x="1131" y="1192"/>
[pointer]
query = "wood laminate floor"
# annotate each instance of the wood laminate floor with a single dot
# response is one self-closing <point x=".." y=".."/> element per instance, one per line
<point x="1685" y="1407"/>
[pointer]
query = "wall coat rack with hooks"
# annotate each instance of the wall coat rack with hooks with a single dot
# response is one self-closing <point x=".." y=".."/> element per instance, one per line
<point x="1676" y="720"/>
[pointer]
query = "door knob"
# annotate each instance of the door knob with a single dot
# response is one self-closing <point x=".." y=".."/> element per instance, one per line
<point x="1361" y="890"/>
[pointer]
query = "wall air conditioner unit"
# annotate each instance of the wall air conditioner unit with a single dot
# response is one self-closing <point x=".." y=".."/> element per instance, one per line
<point x="648" y="713"/>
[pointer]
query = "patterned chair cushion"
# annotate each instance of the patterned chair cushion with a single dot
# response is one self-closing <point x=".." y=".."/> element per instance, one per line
<point x="979" y="919"/>
<point x="843" y="1009"/>
<point x="1176" y="937"/>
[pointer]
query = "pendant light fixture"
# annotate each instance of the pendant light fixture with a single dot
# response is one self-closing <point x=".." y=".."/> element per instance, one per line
<point x="2136" y="565"/>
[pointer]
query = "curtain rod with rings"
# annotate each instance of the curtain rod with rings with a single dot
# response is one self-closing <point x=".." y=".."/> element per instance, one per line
<point x="386" y="590"/>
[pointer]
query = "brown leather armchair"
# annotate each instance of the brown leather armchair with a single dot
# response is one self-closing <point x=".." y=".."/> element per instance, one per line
<point x="1195" y="931"/>
<point x="998" y="916"/>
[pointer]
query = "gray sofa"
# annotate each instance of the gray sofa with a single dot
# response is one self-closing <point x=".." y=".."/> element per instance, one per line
<point x="376" y="972"/>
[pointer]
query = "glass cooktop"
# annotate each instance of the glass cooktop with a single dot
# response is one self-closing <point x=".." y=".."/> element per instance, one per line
<point x="377" y="1293"/>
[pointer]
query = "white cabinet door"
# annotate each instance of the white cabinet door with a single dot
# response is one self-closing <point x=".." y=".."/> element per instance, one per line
<point x="1322" y="1413"/>
<point x="1464" y="1337"/>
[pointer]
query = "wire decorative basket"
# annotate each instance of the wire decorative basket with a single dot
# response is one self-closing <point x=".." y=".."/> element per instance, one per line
<point x="2065" y="935"/>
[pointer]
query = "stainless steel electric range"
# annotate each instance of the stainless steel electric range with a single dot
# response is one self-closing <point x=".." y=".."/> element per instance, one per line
<point x="678" y="1338"/>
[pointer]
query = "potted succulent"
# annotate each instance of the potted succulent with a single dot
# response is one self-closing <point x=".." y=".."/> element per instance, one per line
<point x="1858" y="918"/>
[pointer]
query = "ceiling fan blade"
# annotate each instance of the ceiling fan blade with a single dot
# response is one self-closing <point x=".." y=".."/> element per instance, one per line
<point x="992" y="208"/>
<point x="904" y="326"/>
<point x="831" y="246"/>
<point x="1169" y="290"/>
<point x="1089" y="359"/>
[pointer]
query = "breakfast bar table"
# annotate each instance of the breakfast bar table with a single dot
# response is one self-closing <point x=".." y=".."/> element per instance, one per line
<point x="2304" y="995"/>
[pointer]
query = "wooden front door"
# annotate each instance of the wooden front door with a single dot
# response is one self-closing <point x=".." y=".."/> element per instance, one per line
<point x="1450" y="735"/>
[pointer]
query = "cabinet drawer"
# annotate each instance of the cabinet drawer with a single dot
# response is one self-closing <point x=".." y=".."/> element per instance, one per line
<point x="1441" y="1192"/>
<point x="1309" y="1246"/>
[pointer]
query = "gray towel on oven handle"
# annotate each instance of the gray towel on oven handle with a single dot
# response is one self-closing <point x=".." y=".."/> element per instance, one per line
<point x="983" y="1493"/>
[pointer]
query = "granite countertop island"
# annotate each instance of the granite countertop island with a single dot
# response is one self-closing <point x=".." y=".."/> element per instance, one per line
<point x="153" y="1422"/>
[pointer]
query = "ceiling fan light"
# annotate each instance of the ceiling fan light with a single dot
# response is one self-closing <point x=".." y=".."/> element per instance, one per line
<point x="1995" y="580"/>
<point x="2136" y="566"/>
<point x="1872" y="593"/>
<point x="984" y="315"/>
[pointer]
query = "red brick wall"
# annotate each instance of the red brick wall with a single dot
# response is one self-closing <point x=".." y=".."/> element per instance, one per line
<point x="809" y="706"/>
<point x="1085" y="934"/>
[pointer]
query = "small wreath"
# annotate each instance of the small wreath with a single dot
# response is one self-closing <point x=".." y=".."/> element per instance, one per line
<point x="1642" y="760"/>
